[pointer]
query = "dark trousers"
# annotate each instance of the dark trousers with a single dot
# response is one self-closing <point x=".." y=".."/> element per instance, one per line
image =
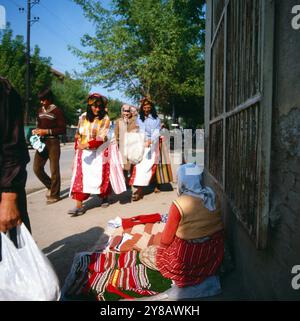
<point x="51" y="152"/>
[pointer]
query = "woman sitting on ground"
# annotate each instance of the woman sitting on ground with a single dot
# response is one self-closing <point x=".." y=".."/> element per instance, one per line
<point x="192" y="242"/>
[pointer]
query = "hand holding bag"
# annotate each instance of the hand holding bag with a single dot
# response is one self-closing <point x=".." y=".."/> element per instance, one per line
<point x="36" y="143"/>
<point x="26" y="274"/>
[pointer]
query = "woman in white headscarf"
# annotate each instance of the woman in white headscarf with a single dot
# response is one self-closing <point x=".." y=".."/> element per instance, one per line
<point x="192" y="243"/>
<point x="123" y="125"/>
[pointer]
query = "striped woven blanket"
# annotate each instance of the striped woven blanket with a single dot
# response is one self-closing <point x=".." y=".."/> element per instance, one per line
<point x="111" y="276"/>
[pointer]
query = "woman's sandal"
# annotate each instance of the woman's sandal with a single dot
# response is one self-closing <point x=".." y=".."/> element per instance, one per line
<point x="157" y="190"/>
<point x="137" y="197"/>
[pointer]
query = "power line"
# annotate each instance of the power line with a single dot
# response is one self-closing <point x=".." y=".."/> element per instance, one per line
<point x="54" y="32"/>
<point x="51" y="31"/>
<point x="61" y="21"/>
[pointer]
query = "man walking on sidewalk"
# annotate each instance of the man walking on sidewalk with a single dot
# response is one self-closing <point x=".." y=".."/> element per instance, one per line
<point x="50" y="124"/>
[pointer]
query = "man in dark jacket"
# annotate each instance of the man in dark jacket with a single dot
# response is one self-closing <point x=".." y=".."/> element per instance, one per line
<point x="50" y="124"/>
<point x="13" y="159"/>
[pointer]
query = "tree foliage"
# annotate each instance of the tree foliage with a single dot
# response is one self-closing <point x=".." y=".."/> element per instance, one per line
<point x="114" y="108"/>
<point x="153" y="47"/>
<point x="13" y="67"/>
<point x="70" y="95"/>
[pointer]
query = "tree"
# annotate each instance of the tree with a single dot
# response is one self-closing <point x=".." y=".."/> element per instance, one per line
<point x="70" y="95"/>
<point x="150" y="47"/>
<point x="13" y="67"/>
<point x="114" y="108"/>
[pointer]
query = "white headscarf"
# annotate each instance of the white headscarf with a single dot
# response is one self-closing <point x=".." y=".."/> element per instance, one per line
<point x="126" y="106"/>
<point x="189" y="177"/>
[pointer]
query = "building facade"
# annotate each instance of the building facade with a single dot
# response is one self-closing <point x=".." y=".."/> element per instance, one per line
<point x="252" y="134"/>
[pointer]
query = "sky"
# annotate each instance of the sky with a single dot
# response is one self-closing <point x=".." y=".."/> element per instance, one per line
<point x="61" y="23"/>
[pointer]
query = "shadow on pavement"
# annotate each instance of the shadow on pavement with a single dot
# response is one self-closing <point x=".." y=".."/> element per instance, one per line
<point x="61" y="253"/>
<point x="123" y="198"/>
<point x="92" y="202"/>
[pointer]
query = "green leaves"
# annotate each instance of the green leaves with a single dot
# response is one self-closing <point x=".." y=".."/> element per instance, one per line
<point x="13" y="67"/>
<point x="142" y="47"/>
<point x="70" y="94"/>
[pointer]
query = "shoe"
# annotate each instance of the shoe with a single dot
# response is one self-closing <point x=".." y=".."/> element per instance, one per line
<point x="52" y="200"/>
<point x="137" y="197"/>
<point x="48" y="193"/>
<point x="157" y="190"/>
<point x="105" y="203"/>
<point x="72" y="211"/>
<point x="76" y="211"/>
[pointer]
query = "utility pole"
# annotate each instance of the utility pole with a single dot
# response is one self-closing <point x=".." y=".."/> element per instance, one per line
<point x="27" y="78"/>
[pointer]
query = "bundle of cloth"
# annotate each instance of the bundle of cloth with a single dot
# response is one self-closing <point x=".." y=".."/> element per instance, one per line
<point x="137" y="233"/>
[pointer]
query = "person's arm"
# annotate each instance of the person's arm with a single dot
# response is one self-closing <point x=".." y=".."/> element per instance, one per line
<point x="155" y="130"/>
<point x="60" y="128"/>
<point x="117" y="131"/>
<point x="36" y="131"/>
<point x="142" y="128"/>
<point x="102" y="135"/>
<point x="77" y="135"/>
<point x="94" y="144"/>
<point x="9" y="212"/>
<point x="14" y="157"/>
<point x="140" y="125"/>
<point x="171" y="226"/>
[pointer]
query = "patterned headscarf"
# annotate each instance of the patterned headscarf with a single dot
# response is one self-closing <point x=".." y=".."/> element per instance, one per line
<point x="189" y="178"/>
<point x="95" y="97"/>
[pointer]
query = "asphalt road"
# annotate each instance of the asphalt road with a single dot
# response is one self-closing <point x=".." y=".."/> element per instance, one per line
<point x="66" y="160"/>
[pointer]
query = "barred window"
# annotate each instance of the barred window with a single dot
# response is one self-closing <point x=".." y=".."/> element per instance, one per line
<point x="238" y="104"/>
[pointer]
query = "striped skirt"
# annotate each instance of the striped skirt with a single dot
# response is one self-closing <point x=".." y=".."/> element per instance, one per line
<point x="163" y="172"/>
<point x="188" y="262"/>
<point x="155" y="163"/>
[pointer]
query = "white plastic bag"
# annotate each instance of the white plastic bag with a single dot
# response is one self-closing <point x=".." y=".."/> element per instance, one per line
<point x="26" y="274"/>
<point x="134" y="147"/>
<point x="36" y="143"/>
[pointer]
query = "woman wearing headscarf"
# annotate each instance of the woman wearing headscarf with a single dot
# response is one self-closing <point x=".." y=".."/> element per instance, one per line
<point x="123" y="125"/>
<point x="149" y="124"/>
<point x="192" y="243"/>
<point x="92" y="169"/>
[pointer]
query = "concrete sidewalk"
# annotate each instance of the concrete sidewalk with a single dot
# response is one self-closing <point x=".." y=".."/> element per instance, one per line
<point x="61" y="236"/>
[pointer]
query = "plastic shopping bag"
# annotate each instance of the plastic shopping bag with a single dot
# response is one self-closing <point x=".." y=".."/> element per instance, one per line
<point x="134" y="147"/>
<point x="36" y="143"/>
<point x="26" y="274"/>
